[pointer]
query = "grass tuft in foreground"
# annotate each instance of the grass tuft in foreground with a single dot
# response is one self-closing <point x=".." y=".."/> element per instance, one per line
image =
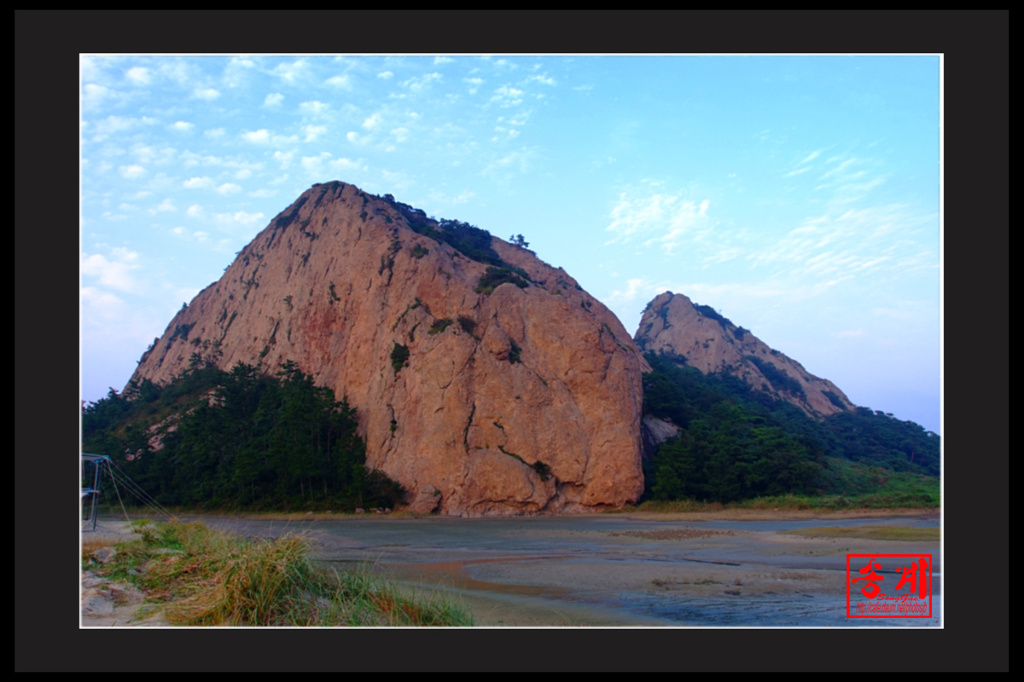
<point x="207" y="577"/>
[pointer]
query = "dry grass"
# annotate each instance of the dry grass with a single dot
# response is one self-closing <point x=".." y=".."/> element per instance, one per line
<point x="207" y="577"/>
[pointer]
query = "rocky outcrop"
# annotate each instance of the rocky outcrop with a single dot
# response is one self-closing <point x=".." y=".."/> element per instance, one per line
<point x="698" y="336"/>
<point x="654" y="432"/>
<point x="486" y="381"/>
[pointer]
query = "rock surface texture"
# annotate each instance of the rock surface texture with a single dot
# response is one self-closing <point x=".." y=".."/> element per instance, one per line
<point x="699" y="337"/>
<point x="521" y="398"/>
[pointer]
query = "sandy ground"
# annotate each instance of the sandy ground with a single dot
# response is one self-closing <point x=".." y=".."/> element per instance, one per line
<point x="613" y="570"/>
<point x="106" y="603"/>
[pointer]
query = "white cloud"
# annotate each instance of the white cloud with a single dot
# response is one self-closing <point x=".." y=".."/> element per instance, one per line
<point x="115" y="274"/>
<point x="545" y="79"/>
<point x="204" y="182"/>
<point x="261" y="136"/>
<point x="290" y="73"/>
<point x="228" y="188"/>
<point x="236" y="73"/>
<point x="101" y="305"/>
<point x="385" y="75"/>
<point x="179" y="71"/>
<point x="507" y="96"/>
<point x="371" y="121"/>
<point x="313" y="108"/>
<point x="89" y="68"/>
<point x="132" y="172"/>
<point x="215" y="133"/>
<point x="313" y="132"/>
<point x="283" y="158"/>
<point x="93" y="94"/>
<point x="340" y="81"/>
<point x="811" y="157"/>
<point x="138" y="75"/>
<point x="147" y="154"/>
<point x="239" y="220"/>
<point x="117" y="124"/>
<point x="273" y="99"/>
<point x="656" y="216"/>
<point x="324" y="164"/>
<point x="208" y="94"/>
<point x="264" y="136"/>
<point x="519" y="160"/>
<point x="417" y="84"/>
<point x="182" y="126"/>
<point x="165" y="206"/>
<point x="634" y="287"/>
<point x="195" y="211"/>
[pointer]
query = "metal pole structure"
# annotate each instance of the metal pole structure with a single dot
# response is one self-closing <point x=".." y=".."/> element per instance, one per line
<point x="95" y="491"/>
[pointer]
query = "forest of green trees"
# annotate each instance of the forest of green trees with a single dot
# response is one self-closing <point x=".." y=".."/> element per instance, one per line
<point x="238" y="440"/>
<point x="737" y="443"/>
<point x="246" y="440"/>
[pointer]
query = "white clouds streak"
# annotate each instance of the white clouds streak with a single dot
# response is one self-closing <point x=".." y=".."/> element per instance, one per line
<point x="662" y="218"/>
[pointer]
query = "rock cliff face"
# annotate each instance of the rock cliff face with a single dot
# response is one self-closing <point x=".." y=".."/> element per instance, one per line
<point x="699" y="337"/>
<point x="515" y="395"/>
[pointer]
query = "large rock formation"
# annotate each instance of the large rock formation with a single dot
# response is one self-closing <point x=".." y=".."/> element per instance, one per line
<point x="515" y="395"/>
<point x="699" y="337"/>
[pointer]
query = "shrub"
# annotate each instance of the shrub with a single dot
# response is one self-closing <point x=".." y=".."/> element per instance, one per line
<point x="439" y="326"/>
<point x="399" y="356"/>
<point x="496" y="276"/>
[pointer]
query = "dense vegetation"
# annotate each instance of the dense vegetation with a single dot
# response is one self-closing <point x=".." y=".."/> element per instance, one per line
<point x="495" y="276"/>
<point x="238" y="440"/>
<point x="738" y="443"/>
<point x="470" y="241"/>
<point x="199" y="576"/>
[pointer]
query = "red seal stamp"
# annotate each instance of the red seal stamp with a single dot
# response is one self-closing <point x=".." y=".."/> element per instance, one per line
<point x="888" y="585"/>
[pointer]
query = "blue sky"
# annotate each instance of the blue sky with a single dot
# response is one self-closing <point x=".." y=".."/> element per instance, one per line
<point x="797" y="195"/>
